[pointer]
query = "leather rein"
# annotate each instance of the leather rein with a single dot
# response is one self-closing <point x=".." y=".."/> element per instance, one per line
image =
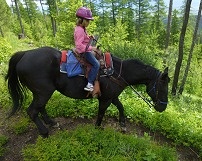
<point x="145" y="99"/>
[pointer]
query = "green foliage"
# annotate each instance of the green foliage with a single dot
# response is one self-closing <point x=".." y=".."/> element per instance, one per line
<point x="181" y="121"/>
<point x="67" y="22"/>
<point x="88" y="143"/>
<point x="4" y="95"/>
<point x="60" y="105"/>
<point x="142" y="16"/>
<point x="175" y="28"/>
<point x="5" y="48"/>
<point x="3" y="141"/>
<point x="19" y="125"/>
<point x="114" y="36"/>
<point x="115" y="41"/>
<point x="5" y="20"/>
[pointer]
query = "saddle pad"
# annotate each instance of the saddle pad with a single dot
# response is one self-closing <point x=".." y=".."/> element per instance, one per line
<point x="109" y="68"/>
<point x="69" y="64"/>
<point x="108" y="61"/>
<point x="64" y="56"/>
<point x="73" y="65"/>
<point x="63" y="61"/>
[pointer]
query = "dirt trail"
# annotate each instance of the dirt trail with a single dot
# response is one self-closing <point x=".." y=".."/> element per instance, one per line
<point x="17" y="142"/>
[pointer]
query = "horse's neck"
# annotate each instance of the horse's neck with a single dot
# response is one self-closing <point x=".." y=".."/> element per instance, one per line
<point x="135" y="72"/>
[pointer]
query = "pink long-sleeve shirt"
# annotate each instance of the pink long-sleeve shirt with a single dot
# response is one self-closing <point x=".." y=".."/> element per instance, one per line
<point x="81" y="39"/>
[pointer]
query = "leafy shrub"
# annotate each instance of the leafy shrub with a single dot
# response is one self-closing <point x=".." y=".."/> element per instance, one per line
<point x="88" y="143"/>
<point x="181" y="121"/>
<point x="20" y="125"/>
<point x="115" y="41"/>
<point x="60" y="105"/>
<point x="3" y="140"/>
<point x="5" y="48"/>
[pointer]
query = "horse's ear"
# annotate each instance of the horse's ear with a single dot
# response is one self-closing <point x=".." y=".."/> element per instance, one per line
<point x="166" y="70"/>
<point x="165" y="74"/>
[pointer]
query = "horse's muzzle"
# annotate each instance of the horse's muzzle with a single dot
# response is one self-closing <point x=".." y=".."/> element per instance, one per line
<point x="160" y="106"/>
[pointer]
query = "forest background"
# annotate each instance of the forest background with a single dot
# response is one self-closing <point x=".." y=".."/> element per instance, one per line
<point x="141" y="29"/>
<point x="136" y="29"/>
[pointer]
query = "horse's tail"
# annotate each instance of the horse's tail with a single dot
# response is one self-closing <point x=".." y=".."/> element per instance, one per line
<point x="15" y="88"/>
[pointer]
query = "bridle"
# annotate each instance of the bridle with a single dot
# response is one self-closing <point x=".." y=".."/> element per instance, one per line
<point x="156" y="90"/>
<point x="155" y="87"/>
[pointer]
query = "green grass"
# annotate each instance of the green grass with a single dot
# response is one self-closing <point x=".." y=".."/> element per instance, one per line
<point x="19" y="125"/>
<point x="87" y="143"/>
<point x="3" y="140"/>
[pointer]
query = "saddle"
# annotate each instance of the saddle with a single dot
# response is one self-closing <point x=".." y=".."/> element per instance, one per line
<point x="74" y="64"/>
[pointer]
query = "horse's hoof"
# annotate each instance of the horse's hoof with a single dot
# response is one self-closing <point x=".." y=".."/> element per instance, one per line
<point x="123" y="130"/>
<point x="44" y="135"/>
<point x="57" y="125"/>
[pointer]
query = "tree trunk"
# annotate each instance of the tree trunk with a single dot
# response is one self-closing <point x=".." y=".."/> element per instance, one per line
<point x="53" y="10"/>
<point x="181" y="47"/>
<point x="191" y="50"/>
<point x="43" y="14"/>
<point x="113" y="13"/>
<point x="1" y="31"/>
<point x="168" y="25"/>
<point x="139" y="19"/>
<point x="29" y="13"/>
<point x="19" y="17"/>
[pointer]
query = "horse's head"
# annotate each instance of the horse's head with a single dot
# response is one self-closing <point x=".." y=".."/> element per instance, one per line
<point x="158" y="91"/>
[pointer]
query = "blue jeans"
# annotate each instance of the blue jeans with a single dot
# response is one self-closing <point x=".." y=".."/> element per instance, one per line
<point x="95" y="66"/>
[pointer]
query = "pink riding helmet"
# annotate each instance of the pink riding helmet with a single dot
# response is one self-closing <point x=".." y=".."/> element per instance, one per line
<point x="85" y="13"/>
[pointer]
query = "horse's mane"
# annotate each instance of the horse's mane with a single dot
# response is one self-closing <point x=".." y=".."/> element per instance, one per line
<point x="140" y="64"/>
<point x="135" y="61"/>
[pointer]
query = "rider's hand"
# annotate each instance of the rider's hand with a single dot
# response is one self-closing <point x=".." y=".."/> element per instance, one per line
<point x="92" y="37"/>
<point x="94" y="48"/>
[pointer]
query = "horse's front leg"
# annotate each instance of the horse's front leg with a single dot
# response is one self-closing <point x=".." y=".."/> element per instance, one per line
<point x="122" y="122"/>
<point x="103" y="105"/>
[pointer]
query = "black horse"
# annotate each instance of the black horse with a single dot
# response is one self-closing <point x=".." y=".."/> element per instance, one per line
<point x="39" y="71"/>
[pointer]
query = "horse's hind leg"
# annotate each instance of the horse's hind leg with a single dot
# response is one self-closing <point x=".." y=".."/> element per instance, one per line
<point x="33" y="112"/>
<point x="46" y="118"/>
<point x="35" y="107"/>
<point x="119" y="105"/>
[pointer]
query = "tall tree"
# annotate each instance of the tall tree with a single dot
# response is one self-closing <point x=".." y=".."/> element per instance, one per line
<point x="66" y="22"/>
<point x="5" y="16"/>
<point x="19" y="18"/>
<point x="175" y="27"/>
<point x="168" y="24"/>
<point x="52" y="4"/>
<point x="113" y="6"/>
<point x="43" y="12"/>
<point x="129" y="19"/>
<point x="181" y="47"/>
<point x="191" y="49"/>
<point x="142" y="17"/>
<point x="157" y="25"/>
<point x="159" y="13"/>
